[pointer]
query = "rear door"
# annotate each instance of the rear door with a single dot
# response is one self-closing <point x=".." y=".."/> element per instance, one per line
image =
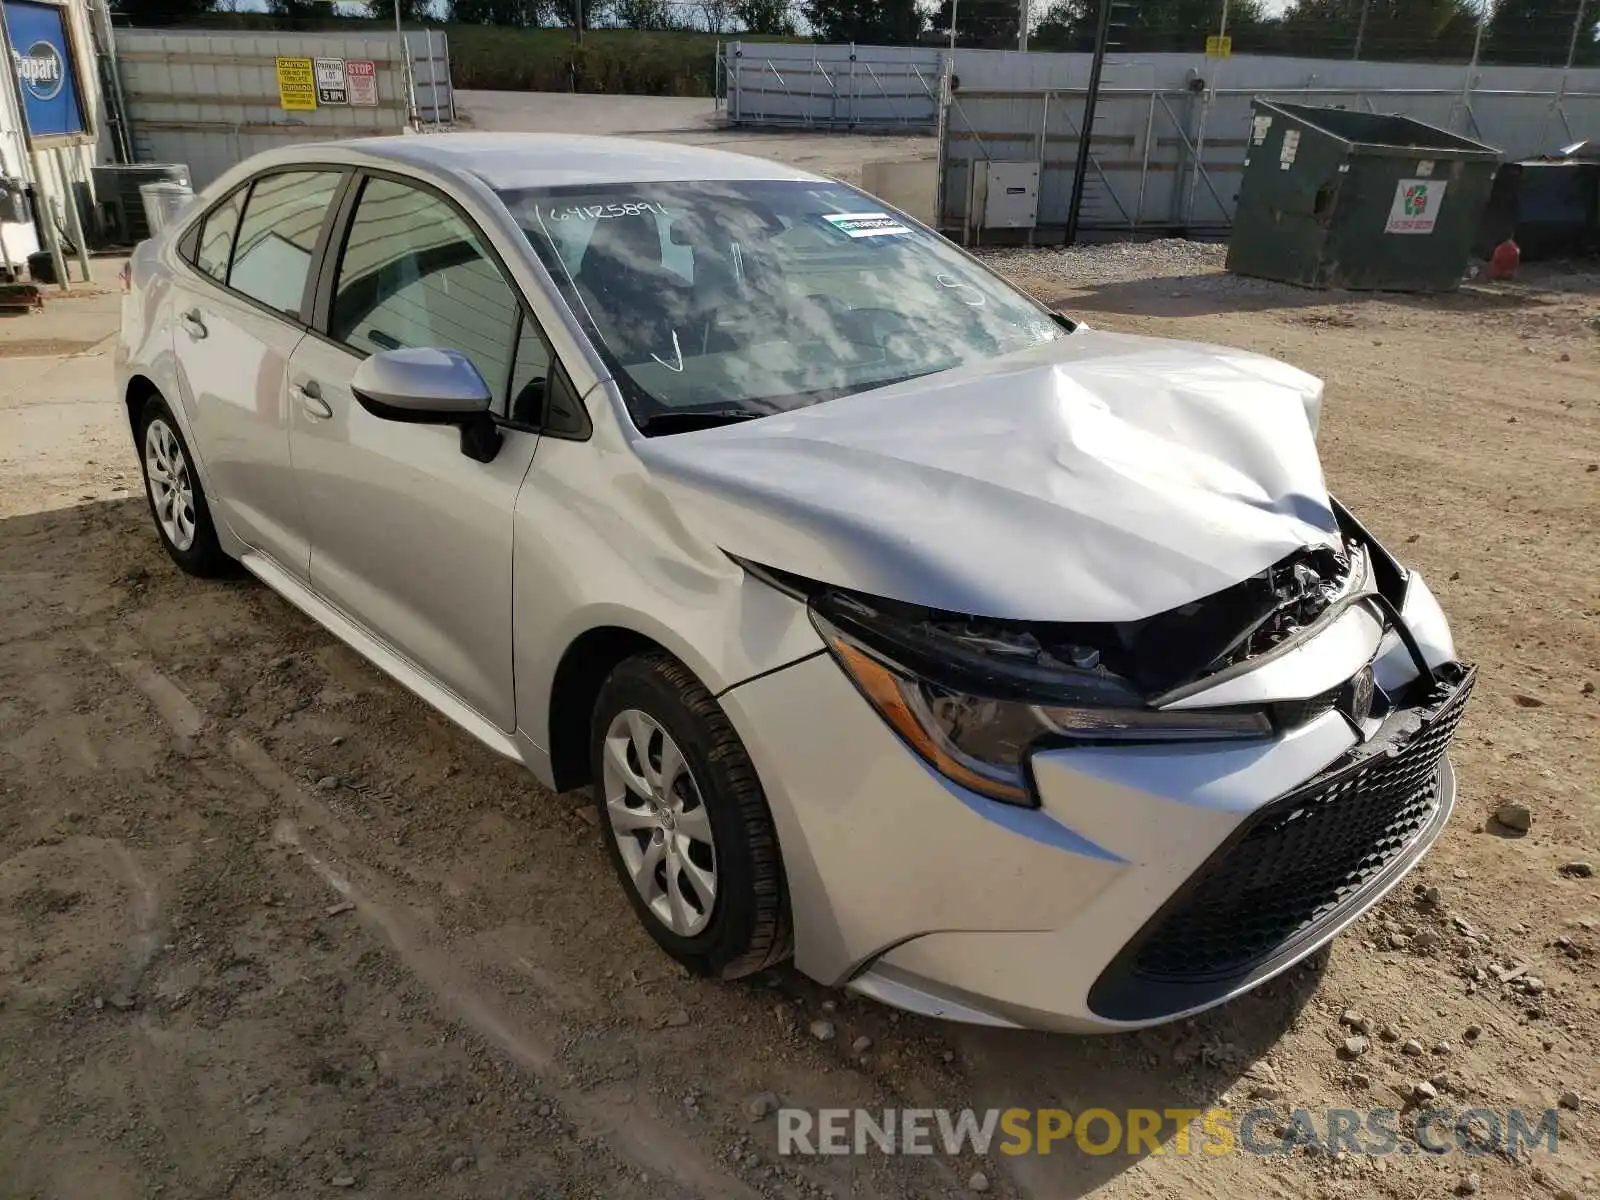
<point x="410" y="537"/>
<point x="239" y="319"/>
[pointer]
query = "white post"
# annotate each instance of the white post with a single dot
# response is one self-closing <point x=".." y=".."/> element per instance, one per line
<point x="1561" y="89"/>
<point x="1477" y="48"/>
<point x="953" y="5"/>
<point x="69" y="203"/>
<point x="1577" y="28"/>
<point x="1022" y="25"/>
<point x="405" y="69"/>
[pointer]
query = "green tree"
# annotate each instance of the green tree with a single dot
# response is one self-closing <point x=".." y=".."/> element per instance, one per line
<point x="764" y="16"/>
<point x="644" y="14"/>
<point x="152" y="13"/>
<point x="294" y="11"/>
<point x="1065" y="25"/>
<point x="412" y="12"/>
<point x="1396" y="30"/>
<point x="985" y="24"/>
<point x="1539" y="32"/>
<point x="885" y="22"/>
<point x="1151" y="26"/>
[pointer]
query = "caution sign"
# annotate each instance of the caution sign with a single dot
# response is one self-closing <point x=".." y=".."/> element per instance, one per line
<point x="297" y="86"/>
<point x="1219" y="46"/>
<point x="331" y="88"/>
<point x="361" y="82"/>
<point x="1416" y="206"/>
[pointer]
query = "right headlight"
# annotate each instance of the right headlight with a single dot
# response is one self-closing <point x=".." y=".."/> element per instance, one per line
<point x="975" y="717"/>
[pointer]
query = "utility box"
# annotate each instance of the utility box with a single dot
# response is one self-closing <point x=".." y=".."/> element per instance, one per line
<point x="117" y="187"/>
<point x="1005" y="194"/>
<point x="1334" y="198"/>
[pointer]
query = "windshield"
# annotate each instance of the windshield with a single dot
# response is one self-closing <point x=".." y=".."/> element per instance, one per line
<point x="731" y="300"/>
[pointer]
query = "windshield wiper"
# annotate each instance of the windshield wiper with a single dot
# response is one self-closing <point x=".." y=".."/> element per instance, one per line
<point x="686" y="420"/>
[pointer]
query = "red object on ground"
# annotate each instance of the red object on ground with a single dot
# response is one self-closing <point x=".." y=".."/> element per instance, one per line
<point x="1504" y="261"/>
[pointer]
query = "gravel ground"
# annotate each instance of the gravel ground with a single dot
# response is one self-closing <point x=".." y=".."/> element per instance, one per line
<point x="1111" y="262"/>
<point x="1202" y="267"/>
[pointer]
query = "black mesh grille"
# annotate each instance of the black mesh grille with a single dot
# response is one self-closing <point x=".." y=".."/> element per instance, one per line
<point x="1304" y="855"/>
<point x="1291" y="714"/>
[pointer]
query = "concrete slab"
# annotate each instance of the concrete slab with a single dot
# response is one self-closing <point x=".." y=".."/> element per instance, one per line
<point x="60" y="420"/>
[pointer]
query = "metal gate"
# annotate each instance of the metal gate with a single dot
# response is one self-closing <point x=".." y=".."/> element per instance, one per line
<point x="211" y="100"/>
<point x="831" y="87"/>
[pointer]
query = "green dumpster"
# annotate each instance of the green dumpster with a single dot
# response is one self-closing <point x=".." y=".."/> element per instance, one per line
<point x="1334" y="198"/>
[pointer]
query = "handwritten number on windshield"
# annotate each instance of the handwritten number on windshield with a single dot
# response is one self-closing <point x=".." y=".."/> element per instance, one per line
<point x="968" y="295"/>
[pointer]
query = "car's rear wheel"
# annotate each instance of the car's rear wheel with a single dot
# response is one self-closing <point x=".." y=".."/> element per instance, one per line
<point x="177" y="501"/>
<point x="686" y="822"/>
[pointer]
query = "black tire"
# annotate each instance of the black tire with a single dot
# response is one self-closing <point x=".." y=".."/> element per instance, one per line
<point x="204" y="556"/>
<point x="750" y="925"/>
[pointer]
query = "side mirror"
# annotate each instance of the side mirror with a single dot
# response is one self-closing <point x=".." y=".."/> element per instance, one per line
<point x="430" y="386"/>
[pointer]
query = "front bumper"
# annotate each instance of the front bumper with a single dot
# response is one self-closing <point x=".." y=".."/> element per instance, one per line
<point x="1153" y="881"/>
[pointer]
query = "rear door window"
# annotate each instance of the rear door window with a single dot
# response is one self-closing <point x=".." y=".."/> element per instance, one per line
<point x="277" y="236"/>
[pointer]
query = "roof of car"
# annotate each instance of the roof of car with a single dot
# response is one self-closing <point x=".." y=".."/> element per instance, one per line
<point x="519" y="160"/>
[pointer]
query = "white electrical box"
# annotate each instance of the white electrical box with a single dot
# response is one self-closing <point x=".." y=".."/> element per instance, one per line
<point x="1011" y="198"/>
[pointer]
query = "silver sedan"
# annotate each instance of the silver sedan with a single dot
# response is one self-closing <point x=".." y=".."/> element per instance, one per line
<point x="990" y="665"/>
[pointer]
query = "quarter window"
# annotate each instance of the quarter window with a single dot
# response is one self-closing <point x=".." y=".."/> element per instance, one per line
<point x="414" y="274"/>
<point x="278" y="235"/>
<point x="216" y="237"/>
<point x="530" y="377"/>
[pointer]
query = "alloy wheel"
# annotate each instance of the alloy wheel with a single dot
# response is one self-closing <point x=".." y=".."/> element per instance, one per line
<point x="171" y="488"/>
<point x="659" y="819"/>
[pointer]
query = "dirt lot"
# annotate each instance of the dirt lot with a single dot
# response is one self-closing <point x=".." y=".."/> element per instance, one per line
<point x="269" y="927"/>
<point x="691" y="121"/>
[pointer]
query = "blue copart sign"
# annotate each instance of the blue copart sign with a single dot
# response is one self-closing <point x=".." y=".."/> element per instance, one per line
<point x="42" y="58"/>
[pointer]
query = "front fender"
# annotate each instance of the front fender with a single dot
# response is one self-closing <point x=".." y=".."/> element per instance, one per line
<point x="597" y="546"/>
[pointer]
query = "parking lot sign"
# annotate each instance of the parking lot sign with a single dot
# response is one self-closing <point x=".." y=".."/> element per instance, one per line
<point x="331" y="86"/>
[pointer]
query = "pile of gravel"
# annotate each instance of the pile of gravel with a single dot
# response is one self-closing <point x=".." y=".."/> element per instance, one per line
<point x="1111" y="262"/>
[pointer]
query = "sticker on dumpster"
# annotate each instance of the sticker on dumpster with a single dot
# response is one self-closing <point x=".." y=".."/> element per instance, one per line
<point x="1416" y="206"/>
<point x="297" y="85"/>
<point x="865" y="224"/>
<point x="331" y="87"/>
<point x="361" y="82"/>
<point x="1291" y="147"/>
<point x="1425" y="168"/>
<point x="1258" y="129"/>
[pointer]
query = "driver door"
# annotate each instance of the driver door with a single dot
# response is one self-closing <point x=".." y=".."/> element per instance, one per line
<point x="410" y="537"/>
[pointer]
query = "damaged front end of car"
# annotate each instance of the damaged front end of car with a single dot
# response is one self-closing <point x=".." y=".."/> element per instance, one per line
<point x="975" y="697"/>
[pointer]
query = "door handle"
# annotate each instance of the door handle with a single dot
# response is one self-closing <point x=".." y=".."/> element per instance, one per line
<point x="309" y="394"/>
<point x="192" y="324"/>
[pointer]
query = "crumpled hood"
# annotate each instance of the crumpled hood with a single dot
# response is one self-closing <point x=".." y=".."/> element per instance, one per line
<point x="1098" y="477"/>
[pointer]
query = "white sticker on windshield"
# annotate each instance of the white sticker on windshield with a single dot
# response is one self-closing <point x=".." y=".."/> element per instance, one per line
<point x="865" y="224"/>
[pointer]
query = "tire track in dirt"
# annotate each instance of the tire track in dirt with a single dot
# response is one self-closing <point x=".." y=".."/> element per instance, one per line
<point x="648" y="1143"/>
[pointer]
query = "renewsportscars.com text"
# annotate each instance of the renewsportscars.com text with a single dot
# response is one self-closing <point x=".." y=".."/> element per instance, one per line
<point x="1180" y="1131"/>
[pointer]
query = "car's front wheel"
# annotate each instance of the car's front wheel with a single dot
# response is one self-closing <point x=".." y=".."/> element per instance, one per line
<point x="686" y="822"/>
<point x="177" y="501"/>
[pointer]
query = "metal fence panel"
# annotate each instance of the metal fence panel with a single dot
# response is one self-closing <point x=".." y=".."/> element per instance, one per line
<point x="1172" y="130"/>
<point x="211" y="99"/>
<point x="430" y="77"/>
<point x="832" y="87"/>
